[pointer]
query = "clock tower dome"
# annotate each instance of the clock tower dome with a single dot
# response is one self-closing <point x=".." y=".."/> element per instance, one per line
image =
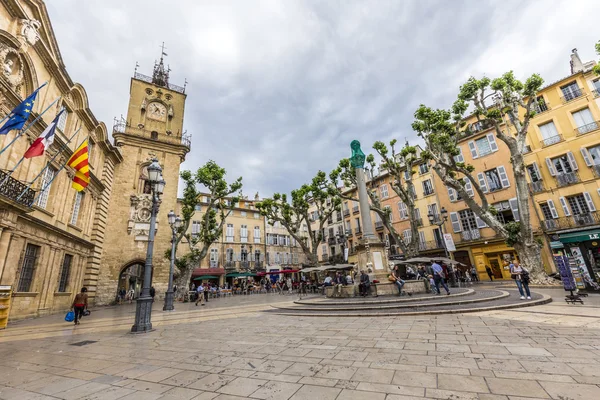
<point x="153" y="129"/>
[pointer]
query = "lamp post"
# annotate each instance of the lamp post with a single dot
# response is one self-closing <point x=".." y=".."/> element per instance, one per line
<point x="175" y="223"/>
<point x="143" y="308"/>
<point x="440" y="223"/>
<point x="250" y="258"/>
<point x="342" y="239"/>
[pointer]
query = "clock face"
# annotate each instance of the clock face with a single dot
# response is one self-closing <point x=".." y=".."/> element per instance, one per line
<point x="157" y="111"/>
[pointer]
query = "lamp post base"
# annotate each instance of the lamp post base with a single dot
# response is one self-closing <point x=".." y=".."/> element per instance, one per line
<point x="143" y="312"/>
<point x="169" y="297"/>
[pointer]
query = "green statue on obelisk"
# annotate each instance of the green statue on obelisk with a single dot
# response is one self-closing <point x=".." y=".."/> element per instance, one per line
<point x="358" y="157"/>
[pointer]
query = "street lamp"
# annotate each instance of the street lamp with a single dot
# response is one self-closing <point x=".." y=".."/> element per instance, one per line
<point x="143" y="308"/>
<point x="175" y="223"/>
<point x="250" y="255"/>
<point x="435" y="220"/>
<point x="341" y="239"/>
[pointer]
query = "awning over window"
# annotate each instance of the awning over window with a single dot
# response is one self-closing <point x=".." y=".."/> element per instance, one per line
<point x="581" y="236"/>
<point x="239" y="274"/>
<point x="208" y="271"/>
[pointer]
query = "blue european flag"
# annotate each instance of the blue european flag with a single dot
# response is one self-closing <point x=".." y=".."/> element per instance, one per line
<point x="20" y="114"/>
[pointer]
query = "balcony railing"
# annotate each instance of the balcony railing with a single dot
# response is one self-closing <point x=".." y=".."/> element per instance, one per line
<point x="574" y="221"/>
<point x="552" y="140"/>
<point x="537" y="187"/>
<point x="471" y="235"/>
<point x="540" y="107"/>
<point x="122" y="126"/>
<point x="357" y="230"/>
<point x="568" y="178"/>
<point x="419" y="221"/>
<point x="331" y="240"/>
<point x="245" y="264"/>
<point x="378" y="225"/>
<point x="587" y="128"/>
<point x="430" y="245"/>
<point x="355" y="210"/>
<point x="346" y="213"/>
<point x="428" y="192"/>
<point x="596" y="93"/>
<point x="229" y="265"/>
<point x="571" y="95"/>
<point x="213" y="264"/>
<point x="146" y="78"/>
<point x="13" y="188"/>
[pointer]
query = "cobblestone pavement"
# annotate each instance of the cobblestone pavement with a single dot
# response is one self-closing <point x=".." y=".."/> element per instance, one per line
<point x="231" y="350"/>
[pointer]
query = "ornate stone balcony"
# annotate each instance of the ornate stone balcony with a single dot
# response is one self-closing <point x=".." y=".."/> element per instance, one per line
<point x="13" y="188"/>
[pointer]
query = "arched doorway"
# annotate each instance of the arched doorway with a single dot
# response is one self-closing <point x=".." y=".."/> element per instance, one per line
<point x="132" y="277"/>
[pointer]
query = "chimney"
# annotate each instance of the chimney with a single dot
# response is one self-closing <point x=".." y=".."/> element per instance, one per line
<point x="576" y="64"/>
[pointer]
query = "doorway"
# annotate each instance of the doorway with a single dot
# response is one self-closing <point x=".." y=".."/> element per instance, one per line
<point x="132" y="277"/>
<point x="495" y="266"/>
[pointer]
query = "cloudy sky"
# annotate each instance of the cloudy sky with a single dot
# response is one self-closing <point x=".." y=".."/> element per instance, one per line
<point x="277" y="89"/>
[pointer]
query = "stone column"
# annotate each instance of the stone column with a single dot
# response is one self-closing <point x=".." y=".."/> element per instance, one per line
<point x="365" y="208"/>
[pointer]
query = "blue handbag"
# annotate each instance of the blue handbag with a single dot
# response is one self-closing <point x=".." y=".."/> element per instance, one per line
<point x="70" y="316"/>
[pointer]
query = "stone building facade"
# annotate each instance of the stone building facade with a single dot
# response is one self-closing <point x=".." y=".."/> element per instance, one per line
<point x="51" y="241"/>
<point x="153" y="130"/>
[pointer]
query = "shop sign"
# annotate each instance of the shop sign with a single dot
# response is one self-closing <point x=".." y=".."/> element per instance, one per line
<point x="594" y="236"/>
<point x="562" y="263"/>
<point x="449" y="242"/>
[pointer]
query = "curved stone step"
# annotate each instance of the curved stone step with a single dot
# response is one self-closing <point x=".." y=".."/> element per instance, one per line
<point x="321" y="301"/>
<point x="512" y="300"/>
<point x="442" y="300"/>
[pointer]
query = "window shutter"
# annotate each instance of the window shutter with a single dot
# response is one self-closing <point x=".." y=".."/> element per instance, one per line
<point x="550" y="166"/>
<point x="482" y="182"/>
<point x="422" y="237"/>
<point x="503" y="176"/>
<point x="572" y="161"/>
<point x="514" y="206"/>
<point x="589" y="201"/>
<point x="455" y="222"/>
<point x="537" y="170"/>
<point x="407" y="235"/>
<point x="552" y="209"/>
<point x="473" y="149"/>
<point x="565" y="208"/>
<point x="459" y="157"/>
<point x="417" y="213"/>
<point x="492" y="140"/>
<point x="451" y="194"/>
<point x="586" y="157"/>
<point x="480" y="223"/>
<point x="469" y="188"/>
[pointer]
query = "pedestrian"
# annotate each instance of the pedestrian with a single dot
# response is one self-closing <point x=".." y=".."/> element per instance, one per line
<point x="206" y="292"/>
<point x="122" y="294"/>
<point x="349" y="280"/>
<point x="152" y="293"/>
<point x="474" y="276"/>
<point x="521" y="277"/>
<point x="289" y="285"/>
<point x="200" y="295"/>
<point x="79" y="305"/>
<point x="432" y="285"/>
<point x="130" y="295"/>
<point x="365" y="284"/>
<point x="397" y="280"/>
<point x="489" y="272"/>
<point x="439" y="277"/>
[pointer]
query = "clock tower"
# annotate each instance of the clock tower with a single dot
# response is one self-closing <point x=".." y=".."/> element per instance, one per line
<point x="153" y="129"/>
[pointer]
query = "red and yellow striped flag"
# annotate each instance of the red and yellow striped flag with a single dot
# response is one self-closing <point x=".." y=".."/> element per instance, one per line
<point x="79" y="162"/>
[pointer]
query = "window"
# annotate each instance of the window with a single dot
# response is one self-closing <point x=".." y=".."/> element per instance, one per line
<point x="257" y="256"/>
<point x="549" y="210"/>
<point x="467" y="220"/>
<point x="403" y="210"/>
<point x="407" y="234"/>
<point x="65" y="272"/>
<point x="244" y="234"/>
<point x="62" y="121"/>
<point x="26" y="276"/>
<point x="195" y="228"/>
<point x="348" y="226"/>
<point x="483" y="146"/>
<point x="384" y="191"/>
<point x="562" y="164"/>
<point x="229" y="233"/>
<point x="534" y="172"/>
<point x="427" y="187"/>
<point x="541" y="105"/>
<point x="46" y="185"/>
<point x="433" y="210"/>
<point x="197" y="207"/>
<point x="423" y="168"/>
<point x="591" y="155"/>
<point x="570" y="91"/>
<point x="214" y="255"/>
<point x="549" y="133"/>
<point x="505" y="214"/>
<point x="90" y="149"/>
<point x="596" y="84"/>
<point x="76" y="207"/>
<point x="357" y="224"/>
<point x="230" y="257"/>
<point x="578" y="204"/>
<point x="154" y="135"/>
<point x="256" y="215"/>
<point x="493" y="180"/>
<point x="243" y="213"/>
<point x="459" y="157"/>
<point x="257" y="234"/>
<point x="584" y="121"/>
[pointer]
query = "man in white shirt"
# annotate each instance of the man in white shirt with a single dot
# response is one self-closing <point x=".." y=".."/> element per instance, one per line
<point x="200" y="291"/>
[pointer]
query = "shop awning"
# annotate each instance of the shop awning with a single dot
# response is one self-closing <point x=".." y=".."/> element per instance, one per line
<point x="556" y="245"/>
<point x="239" y="274"/>
<point x="208" y="271"/>
<point x="581" y="236"/>
<point x="205" y="277"/>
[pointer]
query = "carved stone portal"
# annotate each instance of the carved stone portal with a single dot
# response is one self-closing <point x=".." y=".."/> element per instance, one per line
<point x="139" y="217"/>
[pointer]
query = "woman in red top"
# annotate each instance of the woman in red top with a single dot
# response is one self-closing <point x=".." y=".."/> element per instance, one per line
<point x="80" y="303"/>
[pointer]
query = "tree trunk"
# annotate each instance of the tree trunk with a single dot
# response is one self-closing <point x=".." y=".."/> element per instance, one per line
<point x="530" y="256"/>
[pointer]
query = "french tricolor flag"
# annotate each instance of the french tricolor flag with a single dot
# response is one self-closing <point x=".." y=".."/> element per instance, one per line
<point x="44" y="141"/>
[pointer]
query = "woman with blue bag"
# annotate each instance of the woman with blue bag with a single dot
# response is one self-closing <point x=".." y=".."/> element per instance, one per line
<point x="80" y="303"/>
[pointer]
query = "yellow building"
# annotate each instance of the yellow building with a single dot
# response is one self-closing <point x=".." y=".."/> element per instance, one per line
<point x="564" y="164"/>
<point x="51" y="241"/>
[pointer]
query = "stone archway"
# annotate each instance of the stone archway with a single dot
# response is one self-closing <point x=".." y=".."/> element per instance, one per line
<point x="132" y="277"/>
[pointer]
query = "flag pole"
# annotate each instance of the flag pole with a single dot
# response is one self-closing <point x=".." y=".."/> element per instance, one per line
<point x="28" y="126"/>
<point x="49" y="163"/>
<point x="55" y="175"/>
<point x="10" y="113"/>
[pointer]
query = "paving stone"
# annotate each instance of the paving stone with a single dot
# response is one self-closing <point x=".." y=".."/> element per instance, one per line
<point x="449" y="394"/>
<point x="159" y="374"/>
<point x="392" y="389"/>
<point x="184" y="378"/>
<point x="373" y="375"/>
<point x="358" y="395"/>
<point x="242" y="386"/>
<point x="180" y="393"/>
<point x="500" y="365"/>
<point x="418" y="379"/>
<point x="312" y="380"/>
<point x="516" y="387"/>
<point x="462" y="383"/>
<point x="276" y="390"/>
<point x="211" y="383"/>
<point x="336" y="372"/>
<point x="308" y="392"/>
<point x="574" y="391"/>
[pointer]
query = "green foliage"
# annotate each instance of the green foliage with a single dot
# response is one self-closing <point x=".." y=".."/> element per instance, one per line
<point x="514" y="233"/>
<point x="597" y="66"/>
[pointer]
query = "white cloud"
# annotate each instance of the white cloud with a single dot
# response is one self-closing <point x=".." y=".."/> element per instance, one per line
<point x="278" y="89"/>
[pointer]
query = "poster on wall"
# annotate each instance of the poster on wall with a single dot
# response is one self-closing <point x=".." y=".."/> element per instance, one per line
<point x="449" y="241"/>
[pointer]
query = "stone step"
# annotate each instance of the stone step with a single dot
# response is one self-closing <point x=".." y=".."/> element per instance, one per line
<point x="321" y="301"/>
